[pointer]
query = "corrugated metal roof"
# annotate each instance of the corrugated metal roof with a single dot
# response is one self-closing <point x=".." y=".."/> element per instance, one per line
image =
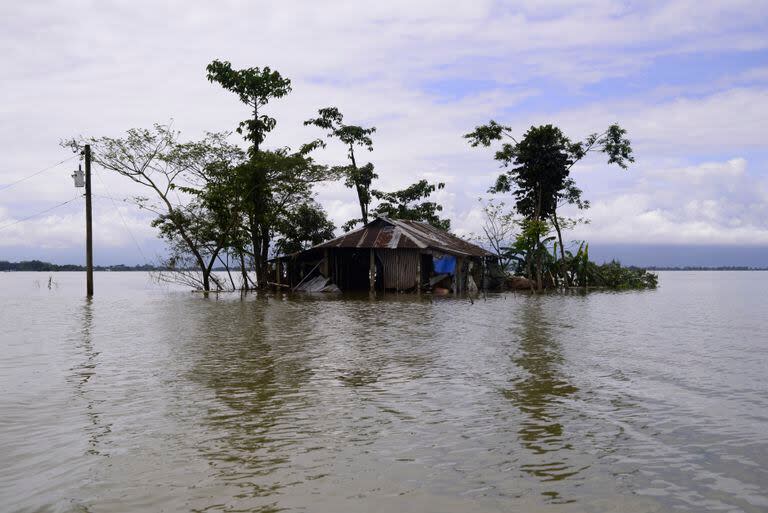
<point x="387" y="233"/>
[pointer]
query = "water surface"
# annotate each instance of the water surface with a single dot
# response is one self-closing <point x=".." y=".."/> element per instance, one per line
<point x="156" y="399"/>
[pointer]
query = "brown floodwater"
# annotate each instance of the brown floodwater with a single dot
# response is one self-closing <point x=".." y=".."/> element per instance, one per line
<point x="150" y="398"/>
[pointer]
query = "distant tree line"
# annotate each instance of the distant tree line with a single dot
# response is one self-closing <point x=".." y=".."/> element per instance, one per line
<point x="707" y="268"/>
<point x="37" y="265"/>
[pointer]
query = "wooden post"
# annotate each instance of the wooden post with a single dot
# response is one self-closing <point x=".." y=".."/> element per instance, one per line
<point x="482" y="275"/>
<point x="418" y="274"/>
<point x="88" y="224"/>
<point x="278" y="269"/>
<point x="325" y="268"/>
<point x="372" y="271"/>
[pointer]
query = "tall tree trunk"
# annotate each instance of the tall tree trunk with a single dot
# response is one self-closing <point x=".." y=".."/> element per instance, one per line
<point x="255" y="239"/>
<point x="539" y="263"/>
<point x="201" y="264"/>
<point x="529" y="272"/>
<point x="363" y="206"/>
<point x="256" y="243"/>
<point x="263" y="256"/>
<point x="563" y="271"/>
<point x="229" y="272"/>
<point x="539" y="281"/>
<point x="243" y="270"/>
<point x="206" y="279"/>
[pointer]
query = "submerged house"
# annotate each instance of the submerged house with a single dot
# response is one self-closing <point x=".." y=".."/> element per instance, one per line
<point x="386" y="255"/>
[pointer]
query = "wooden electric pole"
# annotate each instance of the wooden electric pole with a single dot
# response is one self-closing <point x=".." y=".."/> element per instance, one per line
<point x="88" y="223"/>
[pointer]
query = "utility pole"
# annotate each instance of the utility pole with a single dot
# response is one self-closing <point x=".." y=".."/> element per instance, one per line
<point x="88" y="223"/>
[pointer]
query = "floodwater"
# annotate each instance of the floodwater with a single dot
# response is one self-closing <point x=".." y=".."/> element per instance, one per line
<point x="158" y="399"/>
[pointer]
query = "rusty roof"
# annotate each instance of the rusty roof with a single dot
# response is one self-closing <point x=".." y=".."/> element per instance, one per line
<point x="387" y="233"/>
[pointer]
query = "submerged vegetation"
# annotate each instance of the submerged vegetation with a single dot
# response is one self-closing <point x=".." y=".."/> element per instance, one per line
<point x="219" y="206"/>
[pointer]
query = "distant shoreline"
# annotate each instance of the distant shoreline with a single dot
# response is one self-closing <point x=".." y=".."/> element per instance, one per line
<point x="47" y="267"/>
<point x="700" y="268"/>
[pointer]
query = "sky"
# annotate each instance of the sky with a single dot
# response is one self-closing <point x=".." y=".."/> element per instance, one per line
<point x="687" y="79"/>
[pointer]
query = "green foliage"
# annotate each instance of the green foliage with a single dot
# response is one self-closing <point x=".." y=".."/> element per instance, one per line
<point x="275" y="186"/>
<point x="613" y="275"/>
<point x="613" y="142"/>
<point x="332" y="120"/>
<point x="584" y="273"/>
<point x="500" y="226"/>
<point x="255" y="87"/>
<point x="581" y="270"/>
<point x="529" y="246"/>
<point x="485" y="135"/>
<point x="303" y="227"/>
<point x="407" y="204"/>
<point x="538" y="176"/>
<point x="281" y="180"/>
<point x="191" y="185"/>
<point x="358" y="177"/>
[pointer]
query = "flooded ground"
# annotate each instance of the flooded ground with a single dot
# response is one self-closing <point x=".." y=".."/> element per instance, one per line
<point x="152" y="399"/>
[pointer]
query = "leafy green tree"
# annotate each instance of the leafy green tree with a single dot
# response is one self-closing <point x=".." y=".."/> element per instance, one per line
<point x="410" y="204"/>
<point x="352" y="136"/>
<point x="283" y="180"/>
<point x="530" y="248"/>
<point x="538" y="169"/>
<point x="273" y="181"/>
<point x="255" y="87"/>
<point x="190" y="189"/>
<point x="306" y="225"/>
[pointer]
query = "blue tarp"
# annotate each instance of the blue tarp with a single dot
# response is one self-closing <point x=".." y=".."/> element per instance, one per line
<point x="445" y="265"/>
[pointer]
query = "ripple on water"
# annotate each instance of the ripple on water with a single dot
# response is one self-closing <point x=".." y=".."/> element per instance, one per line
<point x="150" y="399"/>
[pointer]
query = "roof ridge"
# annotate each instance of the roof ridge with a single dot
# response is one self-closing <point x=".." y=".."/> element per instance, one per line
<point x="403" y="233"/>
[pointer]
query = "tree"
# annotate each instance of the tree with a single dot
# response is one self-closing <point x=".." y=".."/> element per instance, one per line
<point x="283" y="181"/>
<point x="255" y="87"/>
<point x="500" y="227"/>
<point x="306" y="225"/>
<point x="191" y="190"/>
<point x="407" y="204"/>
<point x="538" y="170"/>
<point x="360" y="178"/>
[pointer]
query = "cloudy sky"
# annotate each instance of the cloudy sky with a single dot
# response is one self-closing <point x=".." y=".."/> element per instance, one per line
<point x="688" y="79"/>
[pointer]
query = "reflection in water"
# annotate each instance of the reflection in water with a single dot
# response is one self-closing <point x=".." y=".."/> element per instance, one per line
<point x="301" y="389"/>
<point x="346" y="404"/>
<point x="81" y="376"/>
<point x="538" y="395"/>
<point x="255" y="384"/>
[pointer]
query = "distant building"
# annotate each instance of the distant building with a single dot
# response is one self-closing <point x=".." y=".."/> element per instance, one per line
<point x="386" y="255"/>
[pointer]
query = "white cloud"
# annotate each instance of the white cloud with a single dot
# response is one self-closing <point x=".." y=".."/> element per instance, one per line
<point x="624" y="220"/>
<point x="127" y="64"/>
<point x="114" y="227"/>
<point x="705" y="172"/>
<point x="685" y="205"/>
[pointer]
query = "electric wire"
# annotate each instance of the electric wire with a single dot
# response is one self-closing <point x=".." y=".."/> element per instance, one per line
<point x="8" y="225"/>
<point x="9" y="185"/>
<point x="109" y="195"/>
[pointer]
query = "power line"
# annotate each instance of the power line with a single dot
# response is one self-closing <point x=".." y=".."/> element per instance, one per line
<point x="122" y="218"/>
<point x="39" y="213"/>
<point x="8" y="186"/>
